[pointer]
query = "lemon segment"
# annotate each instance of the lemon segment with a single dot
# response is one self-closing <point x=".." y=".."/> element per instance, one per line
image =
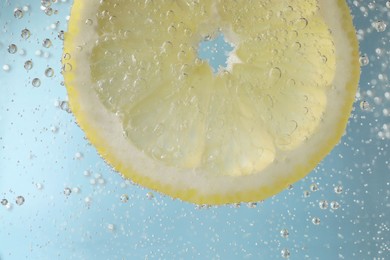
<point x="161" y="117"/>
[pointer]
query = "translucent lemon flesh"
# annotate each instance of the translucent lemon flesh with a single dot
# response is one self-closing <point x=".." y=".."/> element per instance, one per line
<point x="162" y="118"/>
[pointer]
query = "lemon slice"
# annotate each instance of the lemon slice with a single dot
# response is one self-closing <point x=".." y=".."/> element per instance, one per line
<point x="161" y="117"/>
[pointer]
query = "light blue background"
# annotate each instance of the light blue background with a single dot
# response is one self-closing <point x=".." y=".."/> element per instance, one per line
<point x="51" y="225"/>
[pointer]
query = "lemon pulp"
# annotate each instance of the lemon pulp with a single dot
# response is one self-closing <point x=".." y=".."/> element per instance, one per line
<point x="161" y="117"/>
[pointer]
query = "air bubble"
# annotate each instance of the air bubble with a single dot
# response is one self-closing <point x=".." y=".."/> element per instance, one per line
<point x="67" y="191"/>
<point x="124" y="198"/>
<point x="64" y="105"/>
<point x="275" y="73"/>
<point x="284" y="233"/>
<point x="338" y="189"/>
<point x="4" y="202"/>
<point x="61" y="35"/>
<point x="39" y="186"/>
<point x="78" y="156"/>
<point x="88" y="200"/>
<point x="66" y="56"/>
<point x="28" y="65"/>
<point x="149" y="195"/>
<point x="45" y="3"/>
<point x="334" y="205"/>
<point x="36" y="82"/>
<point x="67" y="67"/>
<point x="316" y="221"/>
<point x="251" y="205"/>
<point x="301" y="23"/>
<point x="364" y="105"/>
<point x="18" y="13"/>
<point x="296" y="45"/>
<point x="49" y="72"/>
<point x="12" y="48"/>
<point x="88" y="22"/>
<point x="363" y="60"/>
<point x="46" y="43"/>
<point x="380" y="26"/>
<point x="25" y="34"/>
<point x="171" y="29"/>
<point x="111" y="227"/>
<point x="19" y="200"/>
<point x="285" y="253"/>
<point x="6" y="67"/>
<point x="48" y="11"/>
<point x="313" y="187"/>
<point x="323" y="204"/>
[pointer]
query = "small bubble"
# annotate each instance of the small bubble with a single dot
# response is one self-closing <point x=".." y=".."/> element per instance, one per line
<point x="19" y="200"/>
<point x="111" y="227"/>
<point x="38" y="53"/>
<point x="22" y="52"/>
<point x="296" y="45"/>
<point x="48" y="11"/>
<point x="285" y="253"/>
<point x="18" y="13"/>
<point x="364" y="105"/>
<point x="380" y="26"/>
<point x="306" y="194"/>
<point x="46" y="43"/>
<point x="6" y="67"/>
<point x="334" y="205"/>
<point x="66" y="56"/>
<point x="67" y="191"/>
<point x="388" y="4"/>
<point x="275" y="73"/>
<point x="88" y="22"/>
<point x="39" y="186"/>
<point x="87" y="200"/>
<point x="301" y="23"/>
<point x="284" y="233"/>
<point x="363" y="60"/>
<point x="112" y="19"/>
<point x="4" y="202"/>
<point x="67" y="67"/>
<point x="124" y="198"/>
<point x="36" y="82"/>
<point x="61" y="35"/>
<point x="101" y="181"/>
<point x="64" y="105"/>
<point x="12" y="48"/>
<point x="171" y="29"/>
<point x="25" y="33"/>
<point x="45" y="3"/>
<point x="76" y="190"/>
<point x="54" y="129"/>
<point x="314" y="187"/>
<point x="251" y="205"/>
<point x="78" y="156"/>
<point x="338" y="189"/>
<point x="316" y="221"/>
<point x="49" y="72"/>
<point x="323" y="204"/>
<point x="149" y="195"/>
<point x="236" y="205"/>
